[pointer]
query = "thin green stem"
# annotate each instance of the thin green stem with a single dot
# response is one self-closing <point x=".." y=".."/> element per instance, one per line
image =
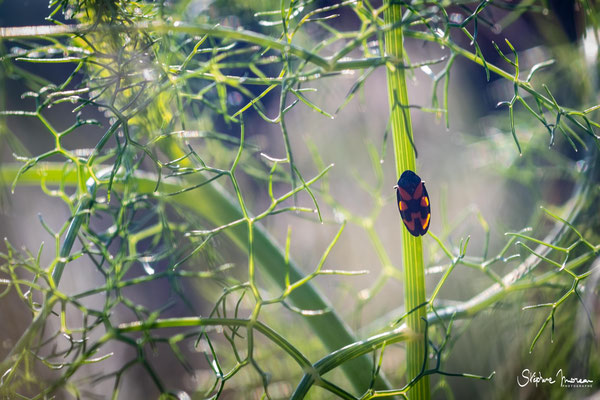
<point x="329" y="327"/>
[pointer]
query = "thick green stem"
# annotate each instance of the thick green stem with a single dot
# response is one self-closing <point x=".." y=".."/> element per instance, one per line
<point x="412" y="253"/>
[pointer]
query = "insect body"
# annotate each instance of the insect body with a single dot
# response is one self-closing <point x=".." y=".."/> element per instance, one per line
<point x="413" y="203"/>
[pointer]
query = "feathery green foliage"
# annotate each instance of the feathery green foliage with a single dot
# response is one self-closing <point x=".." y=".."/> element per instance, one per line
<point x="170" y="261"/>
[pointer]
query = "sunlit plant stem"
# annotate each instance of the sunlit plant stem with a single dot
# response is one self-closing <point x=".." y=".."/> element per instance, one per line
<point x="412" y="253"/>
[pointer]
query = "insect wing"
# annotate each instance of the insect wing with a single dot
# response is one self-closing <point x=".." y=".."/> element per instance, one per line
<point x="425" y="209"/>
<point x="413" y="203"/>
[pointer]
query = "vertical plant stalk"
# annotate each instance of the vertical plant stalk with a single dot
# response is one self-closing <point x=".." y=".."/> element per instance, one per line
<point x="412" y="253"/>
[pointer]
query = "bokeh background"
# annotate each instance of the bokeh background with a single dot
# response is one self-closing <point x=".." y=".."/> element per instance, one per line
<point x="474" y="174"/>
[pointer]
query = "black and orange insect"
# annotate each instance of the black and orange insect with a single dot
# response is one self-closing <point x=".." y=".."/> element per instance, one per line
<point x="413" y="203"/>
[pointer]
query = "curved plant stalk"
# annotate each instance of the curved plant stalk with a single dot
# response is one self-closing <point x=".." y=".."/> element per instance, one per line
<point x="197" y="29"/>
<point x="328" y="326"/>
<point x="508" y="284"/>
<point x="412" y="252"/>
<point x="9" y="365"/>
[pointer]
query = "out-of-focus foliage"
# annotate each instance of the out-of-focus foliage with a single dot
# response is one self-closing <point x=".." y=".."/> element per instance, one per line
<point x="210" y="248"/>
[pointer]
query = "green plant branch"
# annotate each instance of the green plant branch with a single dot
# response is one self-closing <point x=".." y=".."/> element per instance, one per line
<point x="334" y="64"/>
<point x="329" y="327"/>
<point x="231" y="217"/>
<point x="10" y="363"/>
<point x="412" y="251"/>
<point x="187" y="322"/>
<point x="548" y="102"/>
<point x="196" y="29"/>
<point x="511" y="282"/>
<point x="266" y="41"/>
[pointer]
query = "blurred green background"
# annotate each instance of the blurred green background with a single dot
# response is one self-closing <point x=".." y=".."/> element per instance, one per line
<point x="474" y="174"/>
